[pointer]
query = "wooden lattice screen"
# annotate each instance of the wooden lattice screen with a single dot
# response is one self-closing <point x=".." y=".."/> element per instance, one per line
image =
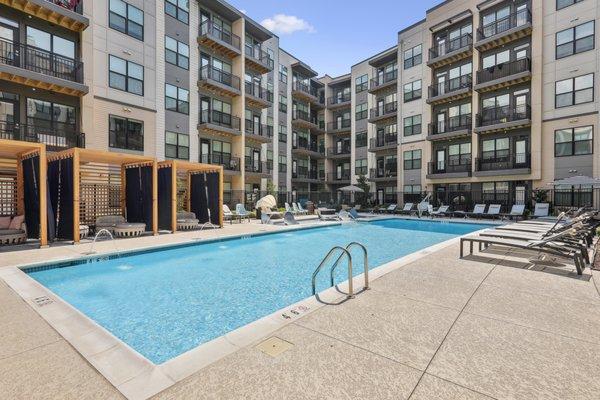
<point x="100" y="192"/>
<point x="8" y="194"/>
<point x="182" y="194"/>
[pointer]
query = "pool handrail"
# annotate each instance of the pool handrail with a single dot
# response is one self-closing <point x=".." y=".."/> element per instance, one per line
<point x="325" y="259"/>
<point x="365" y="263"/>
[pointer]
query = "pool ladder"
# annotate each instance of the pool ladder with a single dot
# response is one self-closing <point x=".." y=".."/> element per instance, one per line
<point x="344" y="252"/>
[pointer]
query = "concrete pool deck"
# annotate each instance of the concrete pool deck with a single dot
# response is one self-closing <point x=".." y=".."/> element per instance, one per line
<point x="491" y="326"/>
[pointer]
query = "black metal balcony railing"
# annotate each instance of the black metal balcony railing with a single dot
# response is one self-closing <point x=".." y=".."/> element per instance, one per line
<point x="513" y="20"/>
<point x="229" y="163"/>
<point x="450" y="166"/>
<point x="449" y="46"/>
<point x="301" y="87"/>
<point x="56" y="135"/>
<point x="339" y="125"/>
<point x="208" y="72"/>
<point x="339" y="99"/>
<point x="260" y="55"/>
<point x="383" y="79"/>
<point x="384" y="141"/>
<point x="386" y="109"/>
<point x="304" y="173"/>
<point x="516" y="161"/>
<point x="501" y="115"/>
<point x="343" y="175"/>
<point x="72" y="5"/>
<point x="504" y="70"/>
<point x="388" y="171"/>
<point x="41" y="61"/>
<point x="259" y="92"/>
<point x="220" y="118"/>
<point x="451" y="124"/>
<point x="305" y="145"/>
<point x="254" y="128"/>
<point x="339" y="151"/>
<point x="253" y="165"/>
<point x="450" y="86"/>
<point x="304" y="116"/>
<point x="208" y="28"/>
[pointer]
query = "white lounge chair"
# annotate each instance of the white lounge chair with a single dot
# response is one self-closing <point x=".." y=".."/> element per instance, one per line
<point x="227" y="214"/>
<point x="327" y="218"/>
<point x="478" y="211"/>
<point x="541" y="210"/>
<point x="493" y="211"/>
<point x="442" y="211"/>
<point x="297" y="209"/>
<point x="407" y="209"/>
<point x="289" y="208"/>
<point x="391" y="208"/>
<point x="241" y="212"/>
<point x="516" y="212"/>
<point x="289" y="219"/>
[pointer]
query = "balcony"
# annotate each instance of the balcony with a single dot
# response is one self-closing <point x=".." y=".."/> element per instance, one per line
<point x="303" y="175"/>
<point x="305" y="148"/>
<point x="221" y="42"/>
<point x="341" y="177"/>
<point x="339" y="152"/>
<point x="40" y="69"/>
<point x="258" y="132"/>
<point x="450" y="90"/>
<point x="303" y="119"/>
<point x="518" y="164"/>
<point x="451" y="51"/>
<point x="383" y="112"/>
<point x="459" y="168"/>
<point x="219" y="123"/>
<point x="257" y="96"/>
<point x="55" y="135"/>
<point x="339" y="126"/>
<point x="305" y="92"/>
<point x="255" y="167"/>
<point x="258" y="60"/>
<point x="231" y="165"/>
<point x="340" y="101"/>
<point x="219" y="82"/>
<point x="503" y="118"/>
<point x="386" y="174"/>
<point x="514" y="26"/>
<point x="450" y="128"/>
<point x="387" y="142"/>
<point x="503" y="75"/>
<point x="386" y="80"/>
<point x="65" y="13"/>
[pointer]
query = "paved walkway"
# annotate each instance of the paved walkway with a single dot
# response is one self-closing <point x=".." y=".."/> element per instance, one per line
<point x="439" y="328"/>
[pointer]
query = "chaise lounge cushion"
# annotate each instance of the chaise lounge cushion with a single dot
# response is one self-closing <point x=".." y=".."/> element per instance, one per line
<point x="17" y="222"/>
<point x="6" y="232"/>
<point x="5" y="222"/>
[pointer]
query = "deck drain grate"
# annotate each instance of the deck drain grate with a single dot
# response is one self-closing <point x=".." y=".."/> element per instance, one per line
<point x="274" y="346"/>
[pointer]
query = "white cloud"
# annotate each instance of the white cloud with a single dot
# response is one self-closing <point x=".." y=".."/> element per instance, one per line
<point x="287" y="24"/>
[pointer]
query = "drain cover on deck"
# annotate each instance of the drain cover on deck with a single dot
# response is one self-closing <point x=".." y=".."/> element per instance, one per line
<point x="274" y="346"/>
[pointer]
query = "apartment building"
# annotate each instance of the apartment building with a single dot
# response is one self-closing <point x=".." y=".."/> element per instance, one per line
<point x="480" y="99"/>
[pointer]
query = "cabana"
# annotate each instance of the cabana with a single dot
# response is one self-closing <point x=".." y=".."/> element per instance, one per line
<point x="86" y="184"/>
<point x="23" y="187"/>
<point x="192" y="187"/>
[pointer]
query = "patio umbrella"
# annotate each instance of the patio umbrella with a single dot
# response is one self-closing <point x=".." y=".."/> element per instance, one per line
<point x="351" y="189"/>
<point x="266" y="203"/>
<point x="578" y="180"/>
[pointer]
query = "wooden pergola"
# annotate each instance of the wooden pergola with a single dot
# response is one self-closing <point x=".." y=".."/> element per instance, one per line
<point x="12" y="155"/>
<point x="82" y="157"/>
<point x="186" y="168"/>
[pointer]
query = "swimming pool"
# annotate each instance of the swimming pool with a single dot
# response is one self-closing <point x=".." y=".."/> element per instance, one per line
<point x="163" y="303"/>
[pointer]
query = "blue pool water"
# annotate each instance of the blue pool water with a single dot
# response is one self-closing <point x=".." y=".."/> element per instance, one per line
<point x="167" y="302"/>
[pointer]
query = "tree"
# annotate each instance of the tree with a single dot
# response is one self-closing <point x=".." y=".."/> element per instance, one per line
<point x="363" y="183"/>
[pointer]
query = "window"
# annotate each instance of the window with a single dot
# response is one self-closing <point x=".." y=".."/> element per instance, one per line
<point x="51" y="43"/>
<point x="412" y="91"/>
<point x="494" y="149"/>
<point x="282" y="164"/>
<point x="360" y="167"/>
<point x="575" y="40"/>
<point x="126" y="18"/>
<point x="177" y="145"/>
<point x="412" y="189"/>
<point x="282" y="133"/>
<point x="412" y="125"/>
<point x="560" y="4"/>
<point x="283" y="73"/>
<point x="177" y="99"/>
<point x="125" y="133"/>
<point x="126" y="75"/>
<point x="361" y="111"/>
<point x="413" y="57"/>
<point x="177" y="53"/>
<point x="178" y="9"/>
<point x="573" y="142"/>
<point x="283" y="105"/>
<point x="361" y="139"/>
<point x="573" y="91"/>
<point x="412" y="159"/>
<point x="362" y="83"/>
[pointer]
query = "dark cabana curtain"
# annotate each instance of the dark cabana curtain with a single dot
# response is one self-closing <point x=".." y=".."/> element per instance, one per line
<point x="138" y="187"/>
<point x="60" y="188"/>
<point x="212" y="183"/>
<point x="198" y="201"/>
<point x="165" y="198"/>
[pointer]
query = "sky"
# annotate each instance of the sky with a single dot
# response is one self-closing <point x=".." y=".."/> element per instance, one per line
<point x="333" y="35"/>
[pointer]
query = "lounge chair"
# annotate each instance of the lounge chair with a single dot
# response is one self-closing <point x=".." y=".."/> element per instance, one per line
<point x="227" y="214"/>
<point x="478" y="211"/>
<point x="241" y="212"/>
<point x="542" y="210"/>
<point x="297" y="209"/>
<point x="422" y="207"/>
<point x="289" y="219"/>
<point x="265" y="218"/>
<point x="541" y="246"/>
<point x="407" y="209"/>
<point x="327" y="218"/>
<point x="391" y="209"/>
<point x="538" y="226"/>
<point x="13" y="230"/>
<point x="516" y="212"/>
<point x="442" y="211"/>
<point x="118" y="226"/>
<point x="493" y="211"/>
<point x="187" y="221"/>
<point x="353" y="213"/>
<point x="302" y="209"/>
<point x="289" y="208"/>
